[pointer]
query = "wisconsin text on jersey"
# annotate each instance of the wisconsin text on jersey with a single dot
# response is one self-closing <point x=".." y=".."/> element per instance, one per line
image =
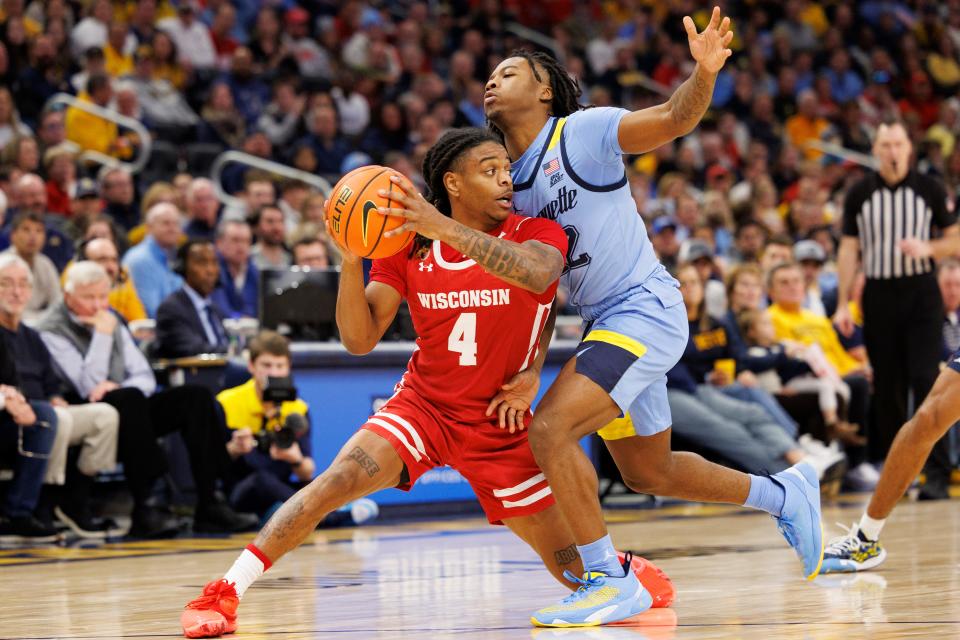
<point x="465" y="298"/>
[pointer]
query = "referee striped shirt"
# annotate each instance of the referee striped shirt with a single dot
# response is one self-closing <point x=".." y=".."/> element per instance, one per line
<point x="882" y="215"/>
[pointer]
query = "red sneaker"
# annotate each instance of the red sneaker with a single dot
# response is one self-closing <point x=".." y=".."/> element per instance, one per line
<point x="212" y="614"/>
<point x="654" y="580"/>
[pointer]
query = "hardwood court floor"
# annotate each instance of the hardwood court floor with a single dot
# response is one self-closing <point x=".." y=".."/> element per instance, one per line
<point x="463" y="579"/>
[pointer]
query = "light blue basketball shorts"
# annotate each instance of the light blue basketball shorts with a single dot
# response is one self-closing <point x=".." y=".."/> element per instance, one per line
<point x="629" y="346"/>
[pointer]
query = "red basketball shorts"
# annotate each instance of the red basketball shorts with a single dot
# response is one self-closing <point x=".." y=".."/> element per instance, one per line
<point x="499" y="465"/>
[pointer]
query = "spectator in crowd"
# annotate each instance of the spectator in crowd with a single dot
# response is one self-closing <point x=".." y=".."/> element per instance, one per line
<point x="749" y="240"/>
<point x="11" y="127"/>
<point x="811" y="257"/>
<point x="280" y="119"/>
<point x="85" y="205"/>
<point x="202" y="210"/>
<point x="313" y="61"/>
<point x="51" y="130"/>
<point x="191" y="36"/>
<point x="149" y="263"/>
<point x="28" y="428"/>
<point x="792" y="322"/>
<point x="24" y="154"/>
<point x="188" y="321"/>
<point x="159" y="192"/>
<point x="740" y="431"/>
<point x="258" y="191"/>
<point x="221" y="117"/>
<point x="92" y="132"/>
<point x="324" y="138"/>
<point x="167" y="63"/>
<point x="164" y="107"/>
<point x="312" y="252"/>
<point x="270" y="251"/>
<point x="99" y="361"/>
<point x="118" y="49"/>
<point x="59" y="163"/>
<point x="123" y="295"/>
<point x="92" y="427"/>
<point x="807" y="125"/>
<point x="250" y="93"/>
<point x="665" y="243"/>
<point x="238" y="292"/>
<point x="119" y="196"/>
<point x="27" y="235"/>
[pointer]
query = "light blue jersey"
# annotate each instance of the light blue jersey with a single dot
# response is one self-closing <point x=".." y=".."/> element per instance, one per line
<point x="573" y="173"/>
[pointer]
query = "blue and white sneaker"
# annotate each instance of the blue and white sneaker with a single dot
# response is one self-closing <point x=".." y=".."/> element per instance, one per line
<point x="601" y="599"/>
<point x="852" y="552"/>
<point x="799" y="522"/>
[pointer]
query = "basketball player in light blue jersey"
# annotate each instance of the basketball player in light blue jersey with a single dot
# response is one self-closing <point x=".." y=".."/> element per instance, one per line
<point x="568" y="167"/>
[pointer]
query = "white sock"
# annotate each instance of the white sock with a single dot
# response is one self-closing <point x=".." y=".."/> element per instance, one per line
<point x="245" y="570"/>
<point x="870" y="527"/>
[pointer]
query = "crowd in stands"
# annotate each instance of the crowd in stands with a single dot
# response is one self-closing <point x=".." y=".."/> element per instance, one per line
<point x="745" y="210"/>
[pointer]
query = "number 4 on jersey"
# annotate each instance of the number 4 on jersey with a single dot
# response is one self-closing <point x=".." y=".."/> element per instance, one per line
<point x="463" y="339"/>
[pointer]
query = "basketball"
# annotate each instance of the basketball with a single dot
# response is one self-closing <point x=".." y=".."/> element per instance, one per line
<point x="354" y="218"/>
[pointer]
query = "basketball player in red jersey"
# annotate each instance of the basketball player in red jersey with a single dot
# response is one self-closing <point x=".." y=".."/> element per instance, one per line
<point x="479" y="302"/>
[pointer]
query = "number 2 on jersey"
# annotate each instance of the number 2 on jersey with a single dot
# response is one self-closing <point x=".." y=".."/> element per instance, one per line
<point x="463" y="339"/>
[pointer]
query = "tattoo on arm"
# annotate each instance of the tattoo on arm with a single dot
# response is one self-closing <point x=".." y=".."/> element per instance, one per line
<point x="363" y="459"/>
<point x="566" y="555"/>
<point x="691" y="99"/>
<point x="525" y="265"/>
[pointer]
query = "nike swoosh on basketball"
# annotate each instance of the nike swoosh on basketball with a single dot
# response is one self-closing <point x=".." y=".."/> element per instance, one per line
<point x="368" y="206"/>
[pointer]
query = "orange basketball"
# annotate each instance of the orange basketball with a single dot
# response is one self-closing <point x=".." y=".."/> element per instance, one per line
<point x="354" y="218"/>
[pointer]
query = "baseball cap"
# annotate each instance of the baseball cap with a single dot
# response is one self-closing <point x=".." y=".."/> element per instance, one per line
<point x="86" y="188"/>
<point x="696" y="250"/>
<point x="809" y="250"/>
<point x="297" y="15"/>
<point x="663" y="222"/>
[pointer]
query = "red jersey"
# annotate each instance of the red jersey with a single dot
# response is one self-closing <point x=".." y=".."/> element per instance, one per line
<point x="475" y="330"/>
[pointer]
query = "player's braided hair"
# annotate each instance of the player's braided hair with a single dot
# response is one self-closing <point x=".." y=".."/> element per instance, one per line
<point x="566" y="90"/>
<point x="441" y="158"/>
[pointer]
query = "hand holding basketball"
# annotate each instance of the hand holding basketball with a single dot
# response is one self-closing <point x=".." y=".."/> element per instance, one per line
<point x="421" y="216"/>
<point x="710" y="48"/>
<point x="353" y="214"/>
<point x="348" y="257"/>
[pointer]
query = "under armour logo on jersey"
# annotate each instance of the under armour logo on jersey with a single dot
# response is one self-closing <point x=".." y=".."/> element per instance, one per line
<point x="426" y="267"/>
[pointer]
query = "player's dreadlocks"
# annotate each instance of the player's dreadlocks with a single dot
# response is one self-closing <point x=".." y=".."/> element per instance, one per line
<point x="566" y="90"/>
<point x="441" y="158"/>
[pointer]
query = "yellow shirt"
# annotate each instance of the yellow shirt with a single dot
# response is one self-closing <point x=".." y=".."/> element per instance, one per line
<point x="245" y="411"/>
<point x="125" y="300"/>
<point x="90" y="131"/>
<point x="116" y="63"/>
<point x="807" y="327"/>
<point x="800" y="128"/>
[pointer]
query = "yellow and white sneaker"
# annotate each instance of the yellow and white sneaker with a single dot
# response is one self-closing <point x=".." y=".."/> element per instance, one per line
<point x="601" y="599"/>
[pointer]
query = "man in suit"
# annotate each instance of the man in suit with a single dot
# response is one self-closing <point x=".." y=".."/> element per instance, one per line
<point x="188" y="322"/>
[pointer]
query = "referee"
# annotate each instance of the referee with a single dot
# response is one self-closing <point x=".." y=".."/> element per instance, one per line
<point x="890" y="220"/>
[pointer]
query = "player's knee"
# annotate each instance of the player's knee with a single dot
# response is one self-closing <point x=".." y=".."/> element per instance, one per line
<point x="651" y="479"/>
<point x="925" y="423"/>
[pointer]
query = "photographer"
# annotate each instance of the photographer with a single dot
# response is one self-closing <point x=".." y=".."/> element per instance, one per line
<point x="270" y="441"/>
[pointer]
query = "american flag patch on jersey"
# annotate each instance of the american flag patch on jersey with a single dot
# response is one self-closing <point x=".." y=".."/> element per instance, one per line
<point x="551" y="167"/>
